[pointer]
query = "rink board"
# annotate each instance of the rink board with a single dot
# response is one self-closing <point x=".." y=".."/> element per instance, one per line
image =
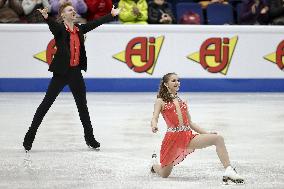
<point x="133" y="58"/>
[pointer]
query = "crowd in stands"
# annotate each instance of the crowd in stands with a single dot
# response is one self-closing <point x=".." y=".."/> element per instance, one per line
<point x="211" y="12"/>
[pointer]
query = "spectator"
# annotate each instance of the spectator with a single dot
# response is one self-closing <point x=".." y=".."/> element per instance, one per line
<point x="98" y="8"/>
<point x="133" y="11"/>
<point x="10" y="11"/>
<point x="79" y="5"/>
<point x="30" y="9"/>
<point x="254" y="12"/>
<point x="276" y="12"/>
<point x="159" y="12"/>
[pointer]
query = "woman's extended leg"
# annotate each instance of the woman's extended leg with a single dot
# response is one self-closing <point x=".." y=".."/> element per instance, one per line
<point x="205" y="140"/>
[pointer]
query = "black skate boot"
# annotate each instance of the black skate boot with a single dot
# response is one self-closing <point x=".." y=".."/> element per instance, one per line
<point x="28" y="141"/>
<point x="27" y="147"/>
<point x="93" y="144"/>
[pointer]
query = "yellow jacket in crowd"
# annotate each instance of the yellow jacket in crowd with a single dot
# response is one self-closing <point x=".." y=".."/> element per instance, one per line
<point x="133" y="11"/>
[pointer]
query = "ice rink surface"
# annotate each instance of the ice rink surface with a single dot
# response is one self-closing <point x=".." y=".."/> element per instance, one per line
<point x="251" y="123"/>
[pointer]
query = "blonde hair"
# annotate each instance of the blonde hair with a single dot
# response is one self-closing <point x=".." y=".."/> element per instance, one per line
<point x="61" y="8"/>
<point x="163" y="92"/>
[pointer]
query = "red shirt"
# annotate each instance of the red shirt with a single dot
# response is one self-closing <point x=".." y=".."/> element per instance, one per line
<point x="74" y="46"/>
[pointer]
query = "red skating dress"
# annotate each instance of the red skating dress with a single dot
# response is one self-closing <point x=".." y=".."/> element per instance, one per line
<point x="174" y="145"/>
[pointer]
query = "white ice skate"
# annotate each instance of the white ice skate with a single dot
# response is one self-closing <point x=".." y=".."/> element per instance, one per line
<point x="153" y="162"/>
<point x="231" y="175"/>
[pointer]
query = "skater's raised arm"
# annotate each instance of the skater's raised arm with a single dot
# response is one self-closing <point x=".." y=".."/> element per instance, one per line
<point x="44" y="12"/>
<point x="95" y="23"/>
<point x="157" y="110"/>
<point x="52" y="24"/>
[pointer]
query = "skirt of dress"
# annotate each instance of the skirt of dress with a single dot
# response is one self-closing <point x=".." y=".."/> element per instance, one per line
<point x="174" y="147"/>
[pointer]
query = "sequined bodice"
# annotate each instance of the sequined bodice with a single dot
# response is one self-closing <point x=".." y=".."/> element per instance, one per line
<point x="170" y="114"/>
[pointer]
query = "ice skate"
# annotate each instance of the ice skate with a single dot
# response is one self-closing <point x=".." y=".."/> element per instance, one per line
<point x="153" y="162"/>
<point x="28" y="140"/>
<point x="231" y="175"/>
<point x="93" y="144"/>
<point x="27" y="146"/>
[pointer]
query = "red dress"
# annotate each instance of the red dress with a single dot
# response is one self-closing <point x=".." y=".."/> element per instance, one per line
<point x="174" y="145"/>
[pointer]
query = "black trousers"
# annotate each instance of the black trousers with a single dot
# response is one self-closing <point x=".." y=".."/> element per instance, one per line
<point x="76" y="83"/>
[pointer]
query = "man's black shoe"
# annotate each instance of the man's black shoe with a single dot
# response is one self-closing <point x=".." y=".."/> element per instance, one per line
<point x="93" y="144"/>
<point x="27" y="146"/>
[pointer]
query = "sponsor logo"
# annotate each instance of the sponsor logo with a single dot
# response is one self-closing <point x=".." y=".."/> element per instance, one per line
<point x="141" y="54"/>
<point x="47" y="55"/>
<point x="215" y="54"/>
<point x="278" y="56"/>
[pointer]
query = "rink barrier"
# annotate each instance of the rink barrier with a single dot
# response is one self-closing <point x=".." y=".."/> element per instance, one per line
<point x="206" y="58"/>
<point x="149" y="85"/>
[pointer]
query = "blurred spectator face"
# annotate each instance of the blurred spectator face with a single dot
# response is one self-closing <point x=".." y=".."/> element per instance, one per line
<point x="102" y="4"/>
<point x="159" y="2"/>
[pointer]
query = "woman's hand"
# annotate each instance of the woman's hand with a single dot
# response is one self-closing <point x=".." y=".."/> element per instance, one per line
<point x="44" y="12"/>
<point x="154" y="129"/>
<point x="115" y="11"/>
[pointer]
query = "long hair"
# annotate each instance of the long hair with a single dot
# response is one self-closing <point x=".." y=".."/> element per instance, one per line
<point x="163" y="92"/>
<point x="61" y="8"/>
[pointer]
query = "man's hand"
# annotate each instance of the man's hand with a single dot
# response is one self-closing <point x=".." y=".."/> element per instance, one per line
<point x="136" y="11"/>
<point x="43" y="12"/>
<point x="166" y="18"/>
<point x="115" y="11"/>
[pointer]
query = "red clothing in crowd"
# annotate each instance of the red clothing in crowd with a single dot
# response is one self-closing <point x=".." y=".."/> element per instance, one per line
<point x="98" y="8"/>
<point x="74" y="46"/>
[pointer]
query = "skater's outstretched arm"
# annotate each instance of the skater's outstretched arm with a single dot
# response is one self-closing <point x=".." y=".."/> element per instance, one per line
<point x="52" y="24"/>
<point x="95" y="23"/>
<point x="157" y="109"/>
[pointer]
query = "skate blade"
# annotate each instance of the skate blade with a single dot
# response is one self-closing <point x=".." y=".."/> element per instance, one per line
<point x="229" y="181"/>
<point x="95" y="149"/>
<point x="27" y="151"/>
<point x="27" y="163"/>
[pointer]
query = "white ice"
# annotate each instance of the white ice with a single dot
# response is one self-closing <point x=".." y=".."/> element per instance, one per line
<point x="251" y="123"/>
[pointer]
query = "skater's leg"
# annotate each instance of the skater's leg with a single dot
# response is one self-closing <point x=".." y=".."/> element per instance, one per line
<point x="55" y="86"/>
<point x="163" y="171"/>
<point x="205" y="140"/>
<point x="78" y="89"/>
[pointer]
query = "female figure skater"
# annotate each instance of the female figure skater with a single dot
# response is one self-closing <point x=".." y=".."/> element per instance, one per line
<point x="69" y="60"/>
<point x="179" y="140"/>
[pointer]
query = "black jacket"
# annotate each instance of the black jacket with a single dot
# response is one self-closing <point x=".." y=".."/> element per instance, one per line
<point x="155" y="12"/>
<point x="248" y="18"/>
<point x="276" y="11"/>
<point x="61" y="59"/>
